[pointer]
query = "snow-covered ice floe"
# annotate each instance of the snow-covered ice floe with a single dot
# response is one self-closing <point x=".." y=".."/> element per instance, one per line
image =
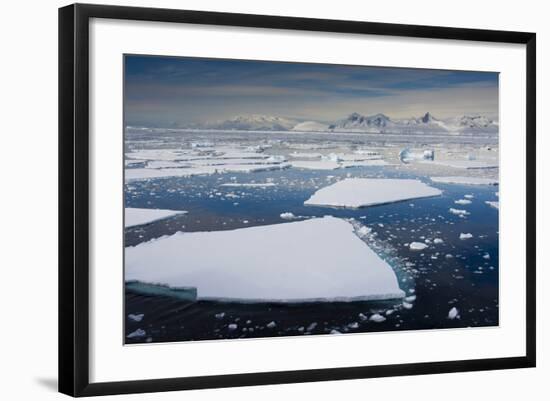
<point x="465" y="180"/>
<point x="494" y="204"/>
<point x="465" y="164"/>
<point x="316" y="164"/>
<point x="320" y="259"/>
<point x="144" y="173"/>
<point x="137" y="217"/>
<point x="360" y="192"/>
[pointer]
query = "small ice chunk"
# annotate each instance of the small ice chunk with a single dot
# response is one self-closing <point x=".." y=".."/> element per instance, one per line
<point x="362" y="317"/>
<point x="137" y="334"/>
<point x="465" y="236"/>
<point x="232" y="327"/>
<point x="334" y="331"/>
<point x="410" y="298"/>
<point x="287" y="216"/>
<point x="463" y="202"/>
<point x="438" y="241"/>
<point x="353" y="325"/>
<point x="407" y="305"/>
<point x="459" y="212"/>
<point x="417" y="246"/>
<point x="312" y="326"/>
<point x="378" y="318"/>
<point x="453" y="313"/>
<point x="219" y="315"/>
<point x="271" y="325"/>
<point x="137" y="317"/>
<point x="364" y="231"/>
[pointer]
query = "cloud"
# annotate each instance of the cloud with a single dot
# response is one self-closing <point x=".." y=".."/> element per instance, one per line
<point x="165" y="91"/>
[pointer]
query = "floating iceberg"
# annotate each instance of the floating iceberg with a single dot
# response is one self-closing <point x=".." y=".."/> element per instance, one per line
<point x="320" y="259"/>
<point x="465" y="180"/>
<point x="360" y="192"/>
<point x="137" y="217"/>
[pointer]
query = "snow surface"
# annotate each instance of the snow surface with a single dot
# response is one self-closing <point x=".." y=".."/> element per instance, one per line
<point x="313" y="260"/>
<point x="136" y="216"/>
<point x="360" y="192"/>
<point x="465" y="180"/>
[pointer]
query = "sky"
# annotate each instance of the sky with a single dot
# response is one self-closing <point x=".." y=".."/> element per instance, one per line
<point x="180" y="91"/>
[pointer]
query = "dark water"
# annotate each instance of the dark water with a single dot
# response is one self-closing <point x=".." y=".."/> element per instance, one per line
<point x="456" y="273"/>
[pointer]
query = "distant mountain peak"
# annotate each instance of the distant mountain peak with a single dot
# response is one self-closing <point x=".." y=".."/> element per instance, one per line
<point x="427" y="118"/>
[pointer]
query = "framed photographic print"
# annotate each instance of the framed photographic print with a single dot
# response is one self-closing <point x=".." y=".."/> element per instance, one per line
<point x="250" y="199"/>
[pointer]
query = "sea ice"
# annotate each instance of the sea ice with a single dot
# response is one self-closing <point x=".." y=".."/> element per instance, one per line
<point x="359" y="192"/>
<point x="316" y="165"/>
<point x="465" y="236"/>
<point x="494" y="204"/>
<point x="466" y="164"/>
<point x="136" y="317"/>
<point x="378" y="318"/>
<point x="136" y="216"/>
<point x="465" y="180"/>
<point x="323" y="260"/>
<point x="248" y="184"/>
<point x="463" y="202"/>
<point x="287" y="216"/>
<point x="417" y="246"/>
<point x="137" y="334"/>
<point x="453" y="313"/>
<point x="459" y="212"/>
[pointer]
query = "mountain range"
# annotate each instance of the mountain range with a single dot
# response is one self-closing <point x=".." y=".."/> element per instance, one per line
<point x="355" y="122"/>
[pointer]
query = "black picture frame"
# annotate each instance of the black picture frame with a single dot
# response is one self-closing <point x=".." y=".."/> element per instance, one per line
<point x="74" y="198"/>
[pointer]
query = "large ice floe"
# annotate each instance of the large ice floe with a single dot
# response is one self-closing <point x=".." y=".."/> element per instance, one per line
<point x="465" y="180"/>
<point x="360" y="192"/>
<point x="137" y="217"/>
<point x="320" y="259"/>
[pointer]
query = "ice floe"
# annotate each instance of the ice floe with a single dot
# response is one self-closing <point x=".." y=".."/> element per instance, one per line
<point x="360" y="192"/>
<point x="465" y="236"/>
<point x="287" y="216"/>
<point x="465" y="180"/>
<point x="316" y="165"/>
<point x="494" y="204"/>
<point x="136" y="216"/>
<point x="319" y="259"/>
<point x="453" y="313"/>
<point x="417" y="246"/>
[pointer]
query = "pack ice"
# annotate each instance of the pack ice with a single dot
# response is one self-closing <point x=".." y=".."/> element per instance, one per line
<point x="360" y="192"/>
<point x="320" y="259"/>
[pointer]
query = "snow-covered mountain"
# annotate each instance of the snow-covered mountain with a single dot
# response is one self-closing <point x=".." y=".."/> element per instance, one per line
<point x="355" y="122"/>
<point x="255" y="122"/>
<point x="358" y="122"/>
<point x="308" y="126"/>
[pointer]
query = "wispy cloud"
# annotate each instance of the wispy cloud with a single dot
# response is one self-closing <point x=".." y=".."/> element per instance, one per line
<point x="165" y="91"/>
